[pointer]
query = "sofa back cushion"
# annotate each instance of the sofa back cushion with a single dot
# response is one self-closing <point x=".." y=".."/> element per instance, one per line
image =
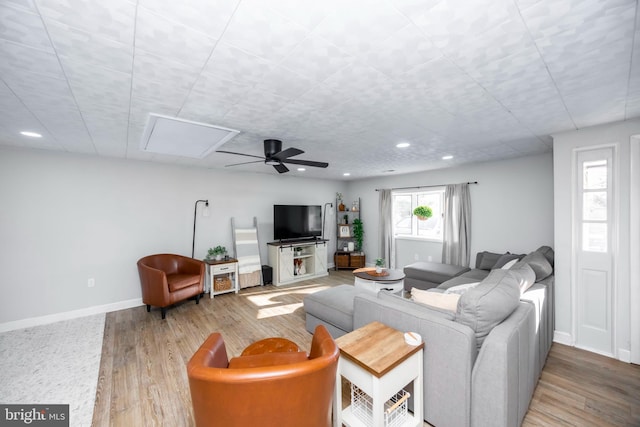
<point x="548" y="253"/>
<point x="538" y="263"/>
<point x="524" y="274"/>
<point x="488" y="304"/>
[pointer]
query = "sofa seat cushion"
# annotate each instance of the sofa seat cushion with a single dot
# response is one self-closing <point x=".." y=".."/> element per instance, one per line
<point x="181" y="281"/>
<point x="434" y="272"/>
<point x="333" y="305"/>
<point x="488" y="304"/>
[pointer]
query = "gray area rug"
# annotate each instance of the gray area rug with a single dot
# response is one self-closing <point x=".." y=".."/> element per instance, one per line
<point x="53" y="364"/>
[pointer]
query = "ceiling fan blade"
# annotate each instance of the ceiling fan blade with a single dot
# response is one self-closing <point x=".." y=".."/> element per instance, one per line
<point x="281" y="168"/>
<point x="239" y="154"/>
<point x="244" y="163"/>
<point x="306" y="163"/>
<point x="289" y="152"/>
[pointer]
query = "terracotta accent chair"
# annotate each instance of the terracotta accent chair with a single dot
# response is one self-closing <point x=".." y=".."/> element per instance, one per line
<point x="276" y="389"/>
<point x="168" y="278"/>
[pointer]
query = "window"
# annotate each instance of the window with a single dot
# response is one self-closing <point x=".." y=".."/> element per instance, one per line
<point x="405" y="224"/>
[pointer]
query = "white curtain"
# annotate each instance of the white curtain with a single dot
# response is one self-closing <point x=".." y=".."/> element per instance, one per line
<point x="456" y="238"/>
<point x="387" y="247"/>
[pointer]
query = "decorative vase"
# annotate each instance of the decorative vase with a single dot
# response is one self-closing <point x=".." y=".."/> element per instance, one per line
<point x="351" y="246"/>
<point x="378" y="269"/>
<point x="218" y="257"/>
<point x="341" y="206"/>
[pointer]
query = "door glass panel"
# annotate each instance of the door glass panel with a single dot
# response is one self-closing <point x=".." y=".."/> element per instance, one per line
<point x="594" y="206"/>
<point x="594" y="237"/>
<point x="595" y="175"/>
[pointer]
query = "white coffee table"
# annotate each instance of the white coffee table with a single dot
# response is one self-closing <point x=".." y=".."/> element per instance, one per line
<point x="390" y="280"/>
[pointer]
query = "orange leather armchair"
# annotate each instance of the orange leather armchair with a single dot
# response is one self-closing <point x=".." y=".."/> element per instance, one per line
<point x="271" y="389"/>
<point x="168" y="278"/>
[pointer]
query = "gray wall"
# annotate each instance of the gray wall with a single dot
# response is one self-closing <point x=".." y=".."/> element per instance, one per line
<point x="66" y="218"/>
<point x="512" y="206"/>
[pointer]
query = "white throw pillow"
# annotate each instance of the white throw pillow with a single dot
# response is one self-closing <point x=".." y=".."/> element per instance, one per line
<point x="436" y="299"/>
<point x="461" y="289"/>
<point x="509" y="264"/>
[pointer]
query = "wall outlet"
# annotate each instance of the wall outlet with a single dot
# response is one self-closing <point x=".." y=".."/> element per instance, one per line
<point x="91" y="282"/>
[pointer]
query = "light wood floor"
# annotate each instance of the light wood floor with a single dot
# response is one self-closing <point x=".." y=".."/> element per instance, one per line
<point x="143" y="378"/>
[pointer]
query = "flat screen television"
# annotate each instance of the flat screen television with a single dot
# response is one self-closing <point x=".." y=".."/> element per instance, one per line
<point x="296" y="222"/>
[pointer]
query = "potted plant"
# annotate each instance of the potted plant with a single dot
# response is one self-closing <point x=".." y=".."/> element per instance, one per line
<point x="423" y="212"/>
<point x="217" y="253"/>
<point x="358" y="232"/>
<point x="379" y="265"/>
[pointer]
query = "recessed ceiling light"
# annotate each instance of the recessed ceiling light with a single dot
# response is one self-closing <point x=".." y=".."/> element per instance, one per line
<point x="346" y="174"/>
<point x="449" y="157"/>
<point x="403" y="145"/>
<point x="31" y="134"/>
<point x="301" y="169"/>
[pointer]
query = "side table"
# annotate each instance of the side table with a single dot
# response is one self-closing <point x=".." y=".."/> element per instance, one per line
<point x="229" y="268"/>
<point x="377" y="360"/>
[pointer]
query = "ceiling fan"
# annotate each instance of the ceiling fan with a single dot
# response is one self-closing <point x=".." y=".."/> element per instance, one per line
<point x="275" y="156"/>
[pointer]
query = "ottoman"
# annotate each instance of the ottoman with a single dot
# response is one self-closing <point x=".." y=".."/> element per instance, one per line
<point x="427" y="275"/>
<point x="332" y="308"/>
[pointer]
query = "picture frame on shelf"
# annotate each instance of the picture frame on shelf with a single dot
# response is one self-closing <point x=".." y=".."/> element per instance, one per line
<point x="344" y="231"/>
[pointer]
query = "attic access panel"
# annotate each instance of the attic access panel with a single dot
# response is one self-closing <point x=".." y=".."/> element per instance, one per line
<point x="179" y="137"/>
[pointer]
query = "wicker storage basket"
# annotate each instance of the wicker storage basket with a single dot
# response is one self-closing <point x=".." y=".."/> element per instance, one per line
<point x="221" y="283"/>
<point x="395" y="409"/>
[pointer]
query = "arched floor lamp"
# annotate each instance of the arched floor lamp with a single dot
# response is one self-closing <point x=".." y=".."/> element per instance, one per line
<point x="204" y="213"/>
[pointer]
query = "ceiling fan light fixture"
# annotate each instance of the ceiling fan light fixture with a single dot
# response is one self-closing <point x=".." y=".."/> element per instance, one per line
<point x="272" y="162"/>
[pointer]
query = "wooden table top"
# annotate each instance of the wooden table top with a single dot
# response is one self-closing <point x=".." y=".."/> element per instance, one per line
<point x="220" y="261"/>
<point x="376" y="347"/>
<point x="369" y="273"/>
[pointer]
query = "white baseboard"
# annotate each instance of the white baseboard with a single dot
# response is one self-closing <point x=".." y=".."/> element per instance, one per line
<point x="624" y="356"/>
<point x="52" y="318"/>
<point x="563" y="338"/>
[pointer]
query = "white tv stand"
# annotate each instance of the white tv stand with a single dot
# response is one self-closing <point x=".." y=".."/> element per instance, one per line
<point x="310" y="255"/>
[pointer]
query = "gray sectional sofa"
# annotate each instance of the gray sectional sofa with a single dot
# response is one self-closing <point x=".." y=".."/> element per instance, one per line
<point x="481" y="362"/>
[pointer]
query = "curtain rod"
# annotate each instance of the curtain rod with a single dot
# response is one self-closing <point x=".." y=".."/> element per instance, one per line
<point x="424" y="186"/>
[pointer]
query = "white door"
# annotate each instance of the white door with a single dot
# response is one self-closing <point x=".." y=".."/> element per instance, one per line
<point x="595" y="229"/>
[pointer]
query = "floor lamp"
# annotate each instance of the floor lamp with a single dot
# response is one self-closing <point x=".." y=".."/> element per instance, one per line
<point x="204" y="213"/>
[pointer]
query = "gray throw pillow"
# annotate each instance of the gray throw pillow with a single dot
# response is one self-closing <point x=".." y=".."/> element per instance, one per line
<point x="486" y="260"/>
<point x="505" y="259"/>
<point x="539" y="264"/>
<point x="548" y="253"/>
<point x="489" y="303"/>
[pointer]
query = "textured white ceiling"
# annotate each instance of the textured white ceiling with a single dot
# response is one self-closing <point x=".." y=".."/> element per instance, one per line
<point x="343" y="81"/>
